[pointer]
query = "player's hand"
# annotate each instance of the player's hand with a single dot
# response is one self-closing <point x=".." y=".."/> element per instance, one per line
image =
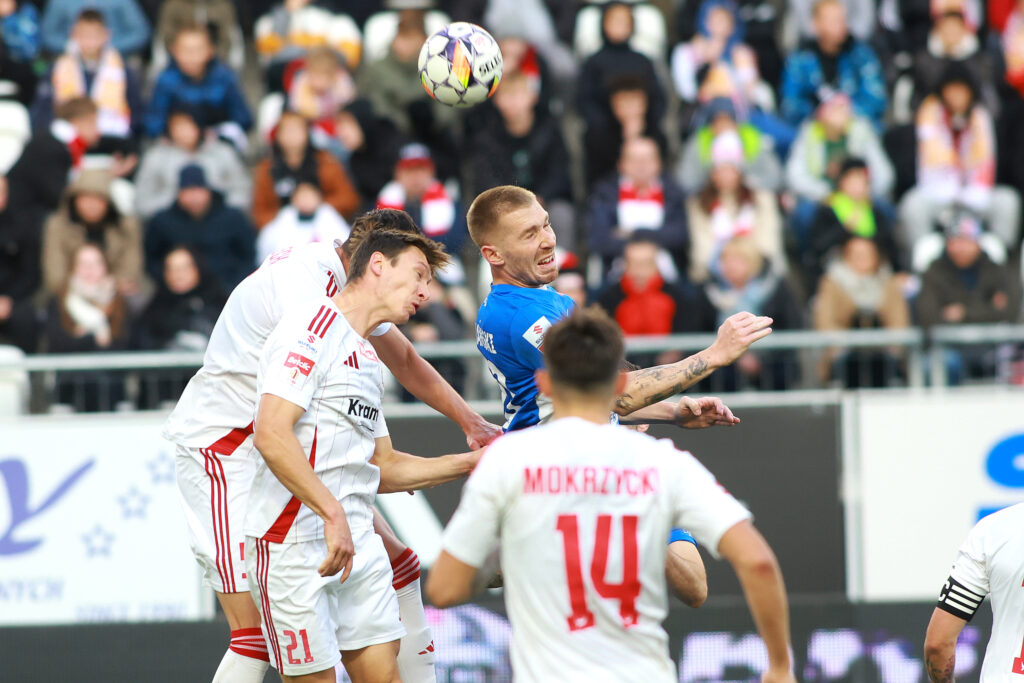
<point x="481" y="434"/>
<point x="700" y="413"/>
<point x="340" y="549"/>
<point x="778" y="676"/>
<point x="736" y="334"/>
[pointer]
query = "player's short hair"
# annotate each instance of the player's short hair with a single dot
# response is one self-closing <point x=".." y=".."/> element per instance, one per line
<point x="75" y="108"/>
<point x="378" y="219"/>
<point x="584" y="351"/>
<point x="392" y="243"/>
<point x="90" y="15"/>
<point x="489" y="206"/>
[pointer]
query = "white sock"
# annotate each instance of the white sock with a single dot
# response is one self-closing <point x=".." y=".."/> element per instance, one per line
<point x="236" y="668"/>
<point x="416" y="649"/>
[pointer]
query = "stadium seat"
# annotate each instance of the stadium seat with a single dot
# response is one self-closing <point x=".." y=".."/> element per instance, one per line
<point x="648" y="32"/>
<point x="15" y="130"/>
<point x="929" y="247"/>
<point x="13" y="383"/>
<point x="381" y="27"/>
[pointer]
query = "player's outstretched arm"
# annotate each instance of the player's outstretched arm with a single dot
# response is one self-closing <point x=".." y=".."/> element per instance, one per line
<point x="940" y="645"/>
<point x="404" y="472"/>
<point x="690" y="413"/>
<point x="426" y="384"/>
<point x="759" y="574"/>
<point x="651" y="385"/>
<point x="274" y="438"/>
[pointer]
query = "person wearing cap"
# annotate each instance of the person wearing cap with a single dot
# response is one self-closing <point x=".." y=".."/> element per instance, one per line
<point x="836" y="132"/>
<point x="964" y="286"/>
<point x="761" y="165"/>
<point x="200" y="219"/>
<point x="416" y="190"/>
<point x="956" y="163"/>
<point x="726" y="206"/>
<point x="834" y="60"/>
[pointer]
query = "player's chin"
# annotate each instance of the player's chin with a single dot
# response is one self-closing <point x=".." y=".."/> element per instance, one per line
<point x="546" y="275"/>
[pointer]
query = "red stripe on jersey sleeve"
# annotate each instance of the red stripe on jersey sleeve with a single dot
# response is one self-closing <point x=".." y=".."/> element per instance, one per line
<point x="283" y="523"/>
<point x="313" y="322"/>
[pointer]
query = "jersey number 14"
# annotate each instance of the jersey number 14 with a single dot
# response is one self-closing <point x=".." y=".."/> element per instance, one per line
<point x="626" y="592"/>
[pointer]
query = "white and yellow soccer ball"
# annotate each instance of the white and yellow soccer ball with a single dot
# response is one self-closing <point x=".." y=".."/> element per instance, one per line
<point x="460" y="65"/>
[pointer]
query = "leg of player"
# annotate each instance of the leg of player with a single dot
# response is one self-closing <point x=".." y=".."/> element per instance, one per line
<point x="246" y="660"/>
<point x="373" y="664"/>
<point x="326" y="676"/>
<point x="416" y="653"/>
<point x="685" y="570"/>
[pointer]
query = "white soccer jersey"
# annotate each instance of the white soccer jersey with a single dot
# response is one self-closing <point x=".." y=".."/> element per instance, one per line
<point x="582" y="511"/>
<point x="221" y="396"/>
<point x="314" y="359"/>
<point x="991" y="560"/>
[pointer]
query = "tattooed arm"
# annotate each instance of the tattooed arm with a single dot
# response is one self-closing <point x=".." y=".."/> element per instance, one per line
<point x="940" y="645"/>
<point x="651" y="385"/>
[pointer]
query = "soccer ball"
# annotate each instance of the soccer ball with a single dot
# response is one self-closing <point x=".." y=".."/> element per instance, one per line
<point x="460" y="65"/>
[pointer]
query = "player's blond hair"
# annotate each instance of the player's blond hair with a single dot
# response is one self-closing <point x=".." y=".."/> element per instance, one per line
<point x="490" y="205"/>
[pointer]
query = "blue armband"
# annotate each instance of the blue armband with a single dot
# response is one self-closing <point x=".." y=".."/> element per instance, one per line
<point x="680" y="535"/>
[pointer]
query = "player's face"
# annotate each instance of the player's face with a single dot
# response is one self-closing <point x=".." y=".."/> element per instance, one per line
<point x="405" y="284"/>
<point x="527" y="246"/>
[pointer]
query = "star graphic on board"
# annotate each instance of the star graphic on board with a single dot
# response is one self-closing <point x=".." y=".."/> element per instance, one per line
<point x="133" y="503"/>
<point x="98" y="542"/>
<point x="161" y="468"/>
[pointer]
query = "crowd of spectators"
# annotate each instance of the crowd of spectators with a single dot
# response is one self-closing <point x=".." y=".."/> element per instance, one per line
<point x="835" y="164"/>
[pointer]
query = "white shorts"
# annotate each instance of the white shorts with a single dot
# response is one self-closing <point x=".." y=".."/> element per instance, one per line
<point x="307" y="618"/>
<point x="214" y="484"/>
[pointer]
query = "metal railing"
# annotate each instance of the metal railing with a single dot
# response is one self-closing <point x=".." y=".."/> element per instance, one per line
<point x="910" y="357"/>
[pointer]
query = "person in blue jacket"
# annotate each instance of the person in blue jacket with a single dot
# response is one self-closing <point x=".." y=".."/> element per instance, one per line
<point x="128" y="26"/>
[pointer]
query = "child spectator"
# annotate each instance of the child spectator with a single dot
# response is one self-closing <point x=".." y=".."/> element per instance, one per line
<point x="128" y="26"/>
<point x="184" y="310"/>
<point x="218" y="16"/>
<point x="307" y="218"/>
<point x="19" y="277"/>
<point x="156" y="182"/>
<point x="727" y="207"/>
<point x="92" y="68"/>
<point x="87" y="214"/>
<point x="293" y="160"/>
<point x="197" y="81"/>
<point x="368" y="144"/>
<point x="321" y="88"/>
<point x="859" y="290"/>
<point x="19" y="27"/>
<point x="221" y="235"/>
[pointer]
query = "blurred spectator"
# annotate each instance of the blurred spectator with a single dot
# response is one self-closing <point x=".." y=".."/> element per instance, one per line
<point x="533" y="20"/>
<point x="128" y="26"/>
<point x="850" y="212"/>
<point x="747" y="283"/>
<point x="39" y="176"/>
<point x="761" y="166"/>
<point x="88" y="215"/>
<point x="198" y="82"/>
<point x="438" y="320"/>
<point x="824" y="142"/>
<point x="184" y="310"/>
<point x="615" y="60"/>
<point x="859" y="291"/>
<point x="1013" y="48"/>
<point x="953" y="40"/>
<point x="521" y="144"/>
<point x="88" y="315"/>
<point x="92" y="67"/>
<point x="368" y="144"/>
<point x="727" y="207"/>
<point x="156" y="182"/>
<point x="639" y="197"/>
<point x="221" y="235"/>
<point x="519" y="55"/>
<point x="293" y="159"/>
<point x="860" y="15"/>
<point x="572" y="284"/>
<point x="956" y="163"/>
<point x="295" y="26"/>
<point x="17" y="79"/>
<point x="1011" y="134"/>
<point x="392" y="83"/>
<point x="964" y="286"/>
<point x="19" y="277"/>
<point x="629" y="101"/>
<point x="641" y="301"/>
<point x="834" y="61"/>
<point x="19" y="28"/>
<point x="320" y="89"/>
<point x="307" y="218"/>
<point x="218" y="16"/>
<point x="417" y="190"/>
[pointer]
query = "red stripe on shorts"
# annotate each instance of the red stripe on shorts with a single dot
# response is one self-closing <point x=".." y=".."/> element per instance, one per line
<point x="262" y="562"/>
<point x="218" y="504"/>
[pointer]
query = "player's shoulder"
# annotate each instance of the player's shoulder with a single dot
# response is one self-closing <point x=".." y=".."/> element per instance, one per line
<point x="314" y="321"/>
<point x="1006" y="522"/>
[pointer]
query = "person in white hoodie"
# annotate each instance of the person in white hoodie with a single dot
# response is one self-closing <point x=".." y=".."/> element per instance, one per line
<point x="307" y="218"/>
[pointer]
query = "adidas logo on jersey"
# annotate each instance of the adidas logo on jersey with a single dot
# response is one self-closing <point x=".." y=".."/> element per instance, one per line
<point x="352" y="361"/>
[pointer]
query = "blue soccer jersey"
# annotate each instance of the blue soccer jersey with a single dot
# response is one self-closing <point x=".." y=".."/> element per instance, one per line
<point x="510" y="332"/>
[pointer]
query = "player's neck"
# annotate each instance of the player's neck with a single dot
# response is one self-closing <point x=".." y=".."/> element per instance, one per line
<point x="359" y="310"/>
<point x="500" y="277"/>
<point x="589" y="410"/>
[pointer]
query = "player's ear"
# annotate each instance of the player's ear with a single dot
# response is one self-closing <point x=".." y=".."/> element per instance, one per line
<point x="376" y="264"/>
<point x="491" y="255"/>
<point x="620" y="383"/>
<point x="543" y="380"/>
